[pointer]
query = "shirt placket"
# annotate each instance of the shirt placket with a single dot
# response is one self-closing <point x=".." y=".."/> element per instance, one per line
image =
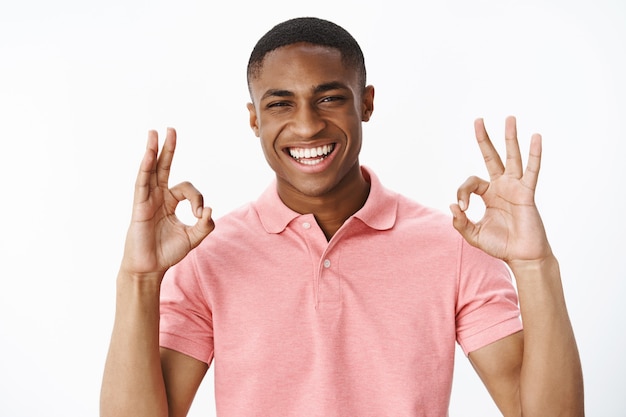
<point x="324" y="260"/>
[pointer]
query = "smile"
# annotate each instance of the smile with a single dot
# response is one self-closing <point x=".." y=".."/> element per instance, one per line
<point x="311" y="156"/>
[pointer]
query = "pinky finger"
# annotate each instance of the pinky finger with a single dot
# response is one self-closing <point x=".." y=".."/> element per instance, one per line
<point x="531" y="174"/>
<point x="144" y="180"/>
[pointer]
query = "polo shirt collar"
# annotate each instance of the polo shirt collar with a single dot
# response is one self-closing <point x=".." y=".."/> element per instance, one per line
<point x="379" y="211"/>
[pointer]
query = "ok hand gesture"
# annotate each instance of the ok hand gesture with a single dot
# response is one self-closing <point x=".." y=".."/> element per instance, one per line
<point x="156" y="238"/>
<point x="511" y="228"/>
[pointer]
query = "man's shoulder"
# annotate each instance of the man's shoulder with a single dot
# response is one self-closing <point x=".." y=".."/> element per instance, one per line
<point x="238" y="220"/>
<point x="409" y="207"/>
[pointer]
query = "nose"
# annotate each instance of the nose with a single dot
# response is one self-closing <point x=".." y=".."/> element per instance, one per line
<point x="306" y="121"/>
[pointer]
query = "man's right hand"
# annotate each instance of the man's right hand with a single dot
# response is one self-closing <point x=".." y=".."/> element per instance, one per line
<point x="156" y="238"/>
<point x="135" y="375"/>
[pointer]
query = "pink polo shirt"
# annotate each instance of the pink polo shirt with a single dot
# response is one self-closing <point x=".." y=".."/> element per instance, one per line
<point x="363" y="325"/>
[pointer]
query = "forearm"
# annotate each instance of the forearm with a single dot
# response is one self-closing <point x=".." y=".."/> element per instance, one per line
<point x="133" y="380"/>
<point x="551" y="376"/>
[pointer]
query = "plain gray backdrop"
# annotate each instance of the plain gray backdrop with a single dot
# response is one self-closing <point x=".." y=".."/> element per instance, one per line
<point x="81" y="83"/>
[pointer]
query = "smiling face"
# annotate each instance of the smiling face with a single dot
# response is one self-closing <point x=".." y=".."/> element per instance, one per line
<point x="307" y="110"/>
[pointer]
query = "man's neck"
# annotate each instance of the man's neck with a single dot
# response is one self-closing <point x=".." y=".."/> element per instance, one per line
<point x="332" y="209"/>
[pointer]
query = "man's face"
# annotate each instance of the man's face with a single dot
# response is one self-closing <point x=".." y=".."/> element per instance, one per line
<point x="307" y="110"/>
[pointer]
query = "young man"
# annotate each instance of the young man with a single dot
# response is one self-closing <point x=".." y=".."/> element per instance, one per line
<point x="331" y="295"/>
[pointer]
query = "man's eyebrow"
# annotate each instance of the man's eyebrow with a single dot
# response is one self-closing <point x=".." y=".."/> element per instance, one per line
<point x="321" y="88"/>
<point x="333" y="85"/>
<point x="274" y="92"/>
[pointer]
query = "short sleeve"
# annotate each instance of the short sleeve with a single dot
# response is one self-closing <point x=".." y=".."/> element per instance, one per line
<point x="186" y="323"/>
<point x="487" y="305"/>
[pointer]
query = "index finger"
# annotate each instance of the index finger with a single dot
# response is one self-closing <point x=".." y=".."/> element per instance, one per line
<point x="494" y="165"/>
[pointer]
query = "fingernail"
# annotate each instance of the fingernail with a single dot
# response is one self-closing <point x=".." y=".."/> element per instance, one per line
<point x="462" y="205"/>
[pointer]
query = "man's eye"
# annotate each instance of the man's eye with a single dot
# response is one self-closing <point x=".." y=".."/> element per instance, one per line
<point x="277" y="104"/>
<point x="331" y="99"/>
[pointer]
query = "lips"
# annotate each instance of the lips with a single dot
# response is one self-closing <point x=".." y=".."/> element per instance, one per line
<point x="311" y="156"/>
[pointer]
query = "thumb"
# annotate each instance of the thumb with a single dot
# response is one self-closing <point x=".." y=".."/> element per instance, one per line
<point x="204" y="225"/>
<point x="463" y="224"/>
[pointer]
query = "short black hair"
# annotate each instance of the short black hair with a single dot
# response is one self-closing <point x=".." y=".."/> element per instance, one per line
<point x="310" y="30"/>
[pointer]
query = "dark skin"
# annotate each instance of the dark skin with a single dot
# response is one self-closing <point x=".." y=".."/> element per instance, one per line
<point x="332" y="211"/>
<point x="307" y="111"/>
<point x="306" y="98"/>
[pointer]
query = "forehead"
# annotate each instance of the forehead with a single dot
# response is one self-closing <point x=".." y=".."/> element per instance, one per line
<point x="302" y="65"/>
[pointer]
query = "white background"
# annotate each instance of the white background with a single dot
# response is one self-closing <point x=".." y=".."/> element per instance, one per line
<point x="81" y="82"/>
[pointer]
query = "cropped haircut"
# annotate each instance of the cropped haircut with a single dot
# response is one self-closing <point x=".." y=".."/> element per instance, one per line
<point x="310" y="30"/>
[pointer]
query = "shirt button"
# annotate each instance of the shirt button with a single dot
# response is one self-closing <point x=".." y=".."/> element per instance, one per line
<point x="327" y="263"/>
<point x="306" y="225"/>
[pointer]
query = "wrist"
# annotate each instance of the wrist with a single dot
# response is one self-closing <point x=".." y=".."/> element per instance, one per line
<point x="148" y="281"/>
<point x="544" y="266"/>
<point x="137" y="298"/>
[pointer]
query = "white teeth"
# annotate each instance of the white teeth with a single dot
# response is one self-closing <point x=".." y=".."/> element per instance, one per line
<point x="301" y="153"/>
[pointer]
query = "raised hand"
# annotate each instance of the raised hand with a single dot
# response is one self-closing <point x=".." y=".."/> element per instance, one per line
<point x="156" y="238"/>
<point x="511" y="228"/>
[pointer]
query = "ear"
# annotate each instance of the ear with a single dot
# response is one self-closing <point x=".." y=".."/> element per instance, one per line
<point x="367" y="102"/>
<point x="254" y="120"/>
